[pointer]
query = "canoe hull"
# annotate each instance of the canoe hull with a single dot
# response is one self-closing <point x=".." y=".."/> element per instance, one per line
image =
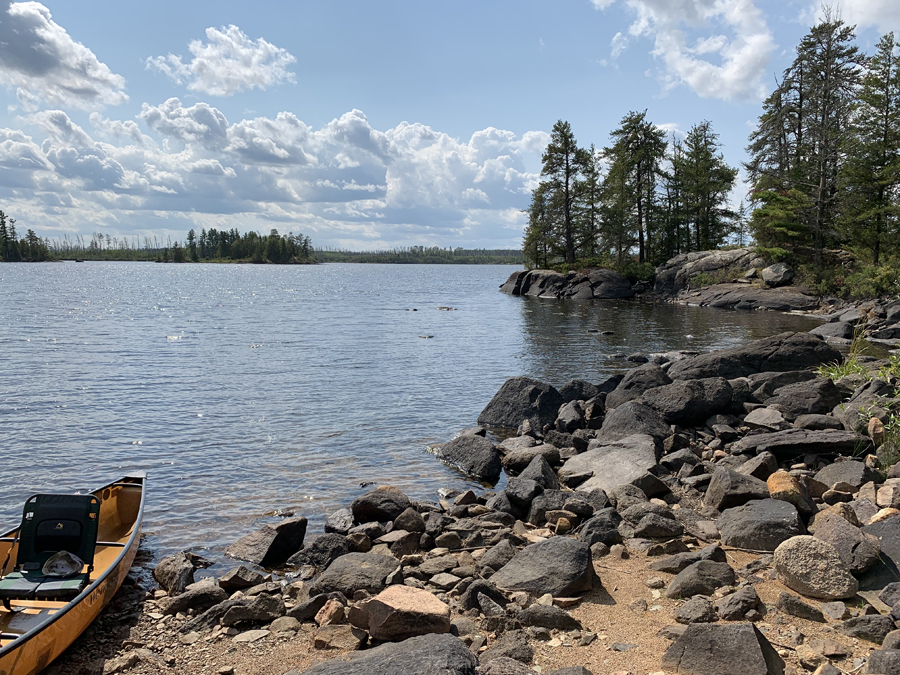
<point x="37" y="649"/>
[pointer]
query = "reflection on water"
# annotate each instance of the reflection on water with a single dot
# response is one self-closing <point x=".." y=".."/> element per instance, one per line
<point x="245" y="389"/>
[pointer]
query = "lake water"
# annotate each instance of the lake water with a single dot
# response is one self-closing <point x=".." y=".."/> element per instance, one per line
<point x="244" y="390"/>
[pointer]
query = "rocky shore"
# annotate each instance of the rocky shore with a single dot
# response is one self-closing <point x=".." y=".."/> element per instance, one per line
<point x="723" y="513"/>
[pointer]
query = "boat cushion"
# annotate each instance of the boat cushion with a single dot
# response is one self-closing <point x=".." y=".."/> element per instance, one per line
<point x="16" y="586"/>
<point x="62" y="589"/>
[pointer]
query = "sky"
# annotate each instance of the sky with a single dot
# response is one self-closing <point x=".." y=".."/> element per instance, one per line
<point x="362" y="125"/>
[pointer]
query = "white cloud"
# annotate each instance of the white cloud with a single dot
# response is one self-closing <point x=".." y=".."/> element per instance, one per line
<point x="44" y="64"/>
<point x="881" y="14"/>
<point x="718" y="48"/>
<point x="346" y="181"/>
<point x="229" y="63"/>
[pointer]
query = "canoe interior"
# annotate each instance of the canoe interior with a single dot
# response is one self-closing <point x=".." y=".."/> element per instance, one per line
<point x="121" y="505"/>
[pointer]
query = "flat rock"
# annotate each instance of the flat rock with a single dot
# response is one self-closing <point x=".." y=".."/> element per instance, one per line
<point x="792" y="443"/>
<point x="790" y="604"/>
<point x="723" y="649"/>
<point x="239" y="578"/>
<point x="356" y="571"/>
<point x="852" y="472"/>
<point x="401" y="612"/>
<point x="627" y="460"/>
<point x="439" y="654"/>
<point x="559" y="566"/>
<point x="548" y="616"/>
<point x="339" y="636"/>
<point x="272" y="544"/>
<point x="873" y="627"/>
<point x="689" y="402"/>
<point x="813" y="568"/>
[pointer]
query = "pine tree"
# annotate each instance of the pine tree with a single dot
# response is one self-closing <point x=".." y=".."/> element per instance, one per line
<point x="563" y="163"/>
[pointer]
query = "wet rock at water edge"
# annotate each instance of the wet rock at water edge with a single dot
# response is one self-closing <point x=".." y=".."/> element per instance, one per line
<point x="380" y="505"/>
<point x="473" y="455"/>
<point x="522" y="398"/>
<point x="271" y="545"/>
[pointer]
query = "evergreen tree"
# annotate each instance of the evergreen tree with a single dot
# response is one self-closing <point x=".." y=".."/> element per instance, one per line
<point x="563" y="163"/>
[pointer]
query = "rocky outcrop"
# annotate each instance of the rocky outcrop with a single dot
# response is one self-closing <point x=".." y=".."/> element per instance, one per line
<point x="585" y="285"/>
<point x="676" y="274"/>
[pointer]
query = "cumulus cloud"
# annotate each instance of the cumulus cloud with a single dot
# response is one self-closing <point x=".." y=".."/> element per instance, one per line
<point x="42" y="61"/>
<point x="229" y="62"/>
<point x="345" y="181"/>
<point x="718" y="48"/>
<point x="881" y="14"/>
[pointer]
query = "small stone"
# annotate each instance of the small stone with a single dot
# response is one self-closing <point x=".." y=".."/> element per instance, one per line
<point x="638" y="605"/>
<point x="836" y="611"/>
<point x="654" y="582"/>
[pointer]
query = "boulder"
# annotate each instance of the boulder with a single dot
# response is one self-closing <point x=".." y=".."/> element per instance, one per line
<point x="788" y="488"/>
<point x="199" y="597"/>
<point x="321" y="551"/>
<point x="873" y="627"/>
<point x="673" y="564"/>
<point x="339" y="522"/>
<point x="698" y="609"/>
<point x="541" y="473"/>
<point x="607" y="284"/>
<point x="837" y="329"/>
<point x="271" y="545"/>
<point x="380" y="505"/>
<point x="762" y="466"/>
<point x="625" y="461"/>
<point x="401" y="612"/>
<point x="868" y="400"/>
<point x="792" y="443"/>
<point x="728" y="489"/>
<point x="858" y="551"/>
<point x="887" y="532"/>
<point x="570" y="418"/>
<point x="356" y="571"/>
<point x="410" y="520"/>
<point x="884" y="662"/>
<point x="747" y="297"/>
<point x="806" y="398"/>
<point x="635" y="383"/>
<point x="174" y="573"/>
<point x="630" y="419"/>
<point x="689" y="402"/>
<point x="723" y="649"/>
<point x="578" y="390"/>
<point x="559" y="566"/>
<point x="240" y="578"/>
<point x="701" y="578"/>
<point x="499" y="555"/>
<point x="734" y="606"/>
<point x="852" y="472"/>
<point x="433" y="653"/>
<point x="517" y="460"/>
<point x="522" y="398"/>
<point x="511" y="645"/>
<point x="262" y="608"/>
<point x="676" y="273"/>
<point x="786" y="351"/>
<point x="776" y="275"/>
<point x="813" y="568"/>
<point x="473" y="455"/>
<point x="759" y="525"/>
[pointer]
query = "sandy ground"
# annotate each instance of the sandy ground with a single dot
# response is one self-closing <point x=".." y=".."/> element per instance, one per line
<point x="127" y="625"/>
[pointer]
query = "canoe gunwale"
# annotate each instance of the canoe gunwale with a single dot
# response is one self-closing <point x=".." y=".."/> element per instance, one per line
<point x="22" y="639"/>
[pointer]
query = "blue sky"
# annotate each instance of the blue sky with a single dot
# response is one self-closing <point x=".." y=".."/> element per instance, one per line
<point x="362" y="125"/>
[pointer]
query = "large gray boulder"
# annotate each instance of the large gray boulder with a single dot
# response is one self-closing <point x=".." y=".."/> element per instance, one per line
<point x="759" y="525"/>
<point x="858" y="550"/>
<point x="522" y="398"/>
<point x="635" y="383"/>
<point x="632" y="418"/>
<point x="354" y="572"/>
<point x="729" y="488"/>
<point x="786" y="351"/>
<point x="612" y="464"/>
<point x="271" y="545"/>
<point x="806" y="398"/>
<point x="689" y="402"/>
<point x="723" y="649"/>
<point x="792" y="443"/>
<point x="776" y="275"/>
<point x="433" y="653"/>
<point x="887" y="532"/>
<point x="175" y="572"/>
<point x="321" y="551"/>
<point x="852" y="472"/>
<point x="838" y="329"/>
<point x="473" y="455"/>
<point x="745" y="296"/>
<point x="813" y="568"/>
<point x="559" y="566"/>
<point x="380" y="505"/>
<point x="607" y="284"/>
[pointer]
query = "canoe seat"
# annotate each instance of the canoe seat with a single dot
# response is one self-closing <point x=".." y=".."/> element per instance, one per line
<point x="50" y="524"/>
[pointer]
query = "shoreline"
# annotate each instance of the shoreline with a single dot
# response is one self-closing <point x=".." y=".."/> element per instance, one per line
<point x="615" y="485"/>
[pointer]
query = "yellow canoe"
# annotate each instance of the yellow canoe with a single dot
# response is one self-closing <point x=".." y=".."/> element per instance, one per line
<point x="36" y="632"/>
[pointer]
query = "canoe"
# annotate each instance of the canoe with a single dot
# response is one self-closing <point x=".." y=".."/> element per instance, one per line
<point x="35" y="632"/>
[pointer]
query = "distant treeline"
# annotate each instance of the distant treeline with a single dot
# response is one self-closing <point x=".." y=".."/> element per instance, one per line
<point x="425" y="255"/>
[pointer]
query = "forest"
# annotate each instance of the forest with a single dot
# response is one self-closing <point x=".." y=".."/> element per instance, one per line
<point x="823" y="166"/>
<point x="425" y="255"/>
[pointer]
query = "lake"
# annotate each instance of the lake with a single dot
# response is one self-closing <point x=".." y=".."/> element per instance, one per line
<point x="245" y="390"/>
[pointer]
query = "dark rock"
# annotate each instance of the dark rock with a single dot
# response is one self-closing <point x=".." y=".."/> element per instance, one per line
<point x="474" y="455"/>
<point x="701" y="578"/>
<point x="356" y="571"/>
<point x="321" y="551"/>
<point x="602" y="527"/>
<point x="635" y="383"/>
<point x="239" y="578"/>
<point x="790" y="604"/>
<point x="559" y="566"/>
<point x="884" y="662"/>
<point x="571" y="670"/>
<point x="733" y="607"/>
<point x="578" y="390"/>
<point x="410" y="520"/>
<point x="548" y="500"/>
<point x="838" y="329"/>
<point x="380" y="505"/>
<point x="262" y="608"/>
<point x="522" y="491"/>
<point x="728" y="489"/>
<point x="890" y="594"/>
<point x="762" y="466"/>
<point x="776" y="275"/>
<point x="339" y="522"/>
<point x="675" y="460"/>
<point x="675" y="563"/>
<point x="199" y="597"/>
<point x="271" y="545"/>
<point x="499" y="555"/>
<point x="873" y="628"/>
<point x="786" y="351"/>
<point x="792" y="443"/>
<point x="518" y="460"/>
<point x="852" y="472"/>
<point x="503" y="665"/>
<point x="858" y="551"/>
<point x="806" y="398"/>
<point x="570" y="418"/>
<point x="630" y="419"/>
<point x="625" y="496"/>
<point x="548" y="616"/>
<point x="307" y="610"/>
<point x="541" y="473"/>
<point x="887" y="532"/>
<point x="174" y="573"/>
<point x="522" y="398"/>
<point x="469" y="598"/>
<point x="698" y="609"/>
<point x="655" y="526"/>
<point x="610" y="464"/>
<point x="434" y="653"/>
<point x="513" y="645"/>
<point x="817" y="422"/>
<point x="689" y="402"/>
<point x="723" y="649"/>
<point x="867" y="400"/>
<point x="759" y="525"/>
